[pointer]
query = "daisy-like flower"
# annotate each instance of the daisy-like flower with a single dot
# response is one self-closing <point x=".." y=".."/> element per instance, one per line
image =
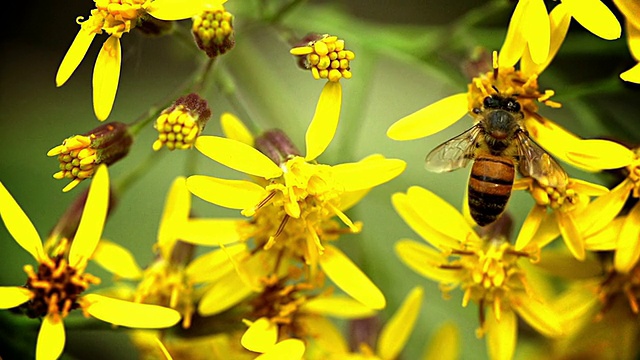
<point x="631" y="11"/>
<point x="529" y="29"/>
<point x="294" y="195"/>
<point x="485" y="267"/>
<point x="116" y="17"/>
<point x="568" y="215"/>
<point x="56" y="287"/>
<point x="80" y="155"/>
<point x="180" y="124"/>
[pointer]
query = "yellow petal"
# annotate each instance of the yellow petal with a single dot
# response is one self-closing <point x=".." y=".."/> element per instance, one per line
<point x="348" y="277"/>
<point x="106" y="75"/>
<point x="74" y="55"/>
<point x="233" y="194"/>
<point x="337" y="306"/>
<point x="571" y="235"/>
<point x="12" y="296"/>
<point x="426" y="261"/>
<point x="174" y="215"/>
<point x="19" y="225"/>
<point x="92" y="220"/>
<point x="595" y="17"/>
<point x="632" y="75"/>
<point x="214" y="265"/>
<point x="539" y="315"/>
<point x="501" y="334"/>
<point x="530" y="226"/>
<point x="600" y="154"/>
<point x="238" y="156"/>
<point x="324" y="337"/>
<point x="223" y="294"/>
<point x="632" y="27"/>
<point x="606" y="239"/>
<point x="175" y="9"/>
<point x="130" y="314"/>
<point x="235" y="129"/>
<point x="367" y="174"/>
<point x="289" y="349"/>
<point x="444" y="345"/>
<point x="600" y="212"/>
<point x="628" y="249"/>
<point x="431" y="119"/>
<point x="515" y="42"/>
<point x="325" y="120"/>
<point x="559" y="21"/>
<point x="261" y="335"/>
<point x="51" y="338"/>
<point x="211" y="232"/>
<point x="536" y="29"/>
<point x="547" y="232"/>
<point x="395" y="333"/>
<point x="117" y="260"/>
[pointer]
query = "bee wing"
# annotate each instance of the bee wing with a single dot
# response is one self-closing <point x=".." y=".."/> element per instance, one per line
<point x="453" y="153"/>
<point x="538" y="164"/>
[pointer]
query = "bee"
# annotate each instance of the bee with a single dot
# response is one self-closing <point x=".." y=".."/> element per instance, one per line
<point x="497" y="144"/>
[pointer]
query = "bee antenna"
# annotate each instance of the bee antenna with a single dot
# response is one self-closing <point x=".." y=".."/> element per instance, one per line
<point x="496" y="89"/>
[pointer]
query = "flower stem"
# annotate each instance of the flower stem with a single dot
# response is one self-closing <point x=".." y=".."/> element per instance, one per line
<point x="227" y="86"/>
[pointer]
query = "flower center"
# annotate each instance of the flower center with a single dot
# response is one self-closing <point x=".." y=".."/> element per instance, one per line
<point x="56" y="287"/>
<point x="116" y="16"/>
<point x="634" y="174"/>
<point x="326" y="57"/>
<point x="176" y="129"/>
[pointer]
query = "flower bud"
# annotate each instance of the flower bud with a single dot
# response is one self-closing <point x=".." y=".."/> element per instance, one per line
<point x="325" y="56"/>
<point x="80" y="155"/>
<point x="213" y="30"/>
<point x="179" y="125"/>
<point x="151" y="26"/>
<point x="276" y="145"/>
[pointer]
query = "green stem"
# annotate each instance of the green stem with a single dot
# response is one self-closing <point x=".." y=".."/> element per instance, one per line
<point x="284" y="10"/>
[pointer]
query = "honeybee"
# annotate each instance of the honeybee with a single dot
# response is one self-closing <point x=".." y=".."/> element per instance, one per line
<point x="497" y="143"/>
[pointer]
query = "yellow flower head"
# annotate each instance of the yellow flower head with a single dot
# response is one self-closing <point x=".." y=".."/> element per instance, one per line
<point x="57" y="286"/>
<point x="80" y="155"/>
<point x="325" y="56"/>
<point x="485" y="266"/>
<point x="115" y="17"/>
<point x="179" y="125"/>
<point x="213" y="30"/>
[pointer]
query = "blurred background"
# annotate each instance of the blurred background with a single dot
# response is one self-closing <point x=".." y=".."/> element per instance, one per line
<point x="408" y="55"/>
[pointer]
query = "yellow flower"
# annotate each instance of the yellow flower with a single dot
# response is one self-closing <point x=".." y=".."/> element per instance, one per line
<point x="631" y="12"/>
<point x="529" y="29"/>
<point x="485" y="267"/>
<point x="115" y="18"/>
<point x="57" y="286"/>
<point x="569" y="216"/>
<point x="294" y="195"/>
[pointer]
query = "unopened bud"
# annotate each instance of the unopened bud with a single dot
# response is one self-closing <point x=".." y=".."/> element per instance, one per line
<point x="80" y="155"/>
<point x="179" y="125"/>
<point x="276" y="145"/>
<point x="213" y="30"/>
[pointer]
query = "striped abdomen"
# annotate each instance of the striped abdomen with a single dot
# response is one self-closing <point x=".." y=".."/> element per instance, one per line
<point x="490" y="187"/>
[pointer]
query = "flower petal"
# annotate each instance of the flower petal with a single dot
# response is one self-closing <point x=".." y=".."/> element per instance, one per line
<point x="233" y="194"/>
<point x="606" y="239"/>
<point x="238" y="156"/>
<point x="571" y="235"/>
<point x="214" y="265"/>
<point x="632" y="27"/>
<point x="74" y="55"/>
<point x="106" y="75"/>
<point x="632" y="75"/>
<point x="514" y="43"/>
<point x="337" y="306"/>
<point x="325" y="120"/>
<point x="117" y="260"/>
<point x="12" y="296"/>
<point x="595" y="17"/>
<point x="261" y="335"/>
<point x="628" y="248"/>
<point x="444" y="345"/>
<point x="223" y="294"/>
<point x="536" y="29"/>
<point x="51" y="338"/>
<point x="501" y="334"/>
<point x="431" y="119"/>
<point x="540" y="316"/>
<point x="348" y="277"/>
<point x="559" y="21"/>
<point x="174" y="215"/>
<point x="367" y="174"/>
<point x="211" y="232"/>
<point x="130" y="314"/>
<point x="394" y="335"/>
<point x="235" y="129"/>
<point x="92" y="220"/>
<point x="600" y="212"/>
<point x="426" y="261"/>
<point x="19" y="225"/>
<point x="600" y="154"/>
<point x="530" y="226"/>
<point x="289" y="349"/>
<point x="324" y="337"/>
<point x="177" y="9"/>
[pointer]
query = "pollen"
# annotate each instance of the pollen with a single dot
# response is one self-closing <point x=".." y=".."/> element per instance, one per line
<point x="179" y="125"/>
<point x="78" y="160"/>
<point x="213" y="31"/>
<point x="325" y="56"/>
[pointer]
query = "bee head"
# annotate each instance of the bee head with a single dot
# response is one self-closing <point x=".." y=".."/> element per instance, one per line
<point x="507" y="103"/>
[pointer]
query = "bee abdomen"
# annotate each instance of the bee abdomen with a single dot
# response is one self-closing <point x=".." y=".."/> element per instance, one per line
<point x="489" y="187"/>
